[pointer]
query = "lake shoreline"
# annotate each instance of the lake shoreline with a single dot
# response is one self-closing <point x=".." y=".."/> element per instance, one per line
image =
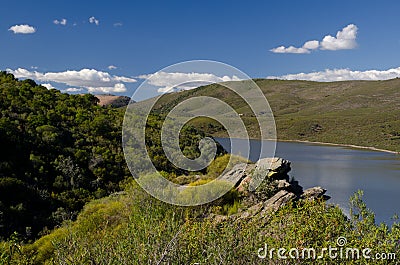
<point x="329" y="144"/>
<point x="343" y="145"/>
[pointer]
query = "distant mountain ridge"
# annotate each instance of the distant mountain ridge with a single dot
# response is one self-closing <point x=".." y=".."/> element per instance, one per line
<point x="364" y="113"/>
<point x="113" y="100"/>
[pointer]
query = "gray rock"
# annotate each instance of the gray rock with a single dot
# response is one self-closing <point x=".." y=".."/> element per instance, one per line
<point x="314" y="193"/>
<point x="273" y="171"/>
<point x="274" y="167"/>
<point x="275" y="164"/>
<point x="283" y="184"/>
<point x="278" y="200"/>
<point x="235" y="175"/>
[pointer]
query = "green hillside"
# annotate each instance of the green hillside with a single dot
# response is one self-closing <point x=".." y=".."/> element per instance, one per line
<point x="364" y="113"/>
<point x="60" y="151"/>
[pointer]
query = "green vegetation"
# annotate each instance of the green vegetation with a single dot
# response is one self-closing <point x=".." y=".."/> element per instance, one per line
<point x="61" y="151"/>
<point x="364" y="113"/>
<point x="134" y="228"/>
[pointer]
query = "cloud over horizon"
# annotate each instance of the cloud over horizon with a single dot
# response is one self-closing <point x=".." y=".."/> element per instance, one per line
<point x="90" y="79"/>
<point x="166" y="81"/>
<point x="345" y="40"/>
<point x="330" y="75"/>
<point x="22" y="29"/>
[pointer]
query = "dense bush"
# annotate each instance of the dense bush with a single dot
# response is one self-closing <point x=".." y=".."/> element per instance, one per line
<point x="60" y="151"/>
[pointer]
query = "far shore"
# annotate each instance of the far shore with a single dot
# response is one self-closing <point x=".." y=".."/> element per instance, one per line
<point x="331" y="144"/>
<point x="343" y="145"/>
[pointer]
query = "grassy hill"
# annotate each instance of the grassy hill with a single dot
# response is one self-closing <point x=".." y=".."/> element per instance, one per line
<point x="362" y="113"/>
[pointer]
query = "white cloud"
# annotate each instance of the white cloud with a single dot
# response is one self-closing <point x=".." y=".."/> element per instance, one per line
<point x="311" y="45"/>
<point x="60" y="22"/>
<point x="167" y="81"/>
<point x="93" y="20"/>
<point x="48" y="86"/>
<point x="329" y="75"/>
<point x="90" y="79"/>
<point x="345" y="39"/>
<point x="112" y="67"/>
<point x="118" y="24"/>
<point x="290" y="49"/>
<point x="72" y="89"/>
<point x="117" y="88"/>
<point x="22" y="29"/>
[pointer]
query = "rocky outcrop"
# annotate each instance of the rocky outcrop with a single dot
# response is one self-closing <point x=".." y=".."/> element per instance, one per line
<point x="266" y="186"/>
<point x="236" y="174"/>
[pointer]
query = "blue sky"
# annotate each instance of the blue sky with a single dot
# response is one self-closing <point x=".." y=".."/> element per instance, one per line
<point x="140" y="38"/>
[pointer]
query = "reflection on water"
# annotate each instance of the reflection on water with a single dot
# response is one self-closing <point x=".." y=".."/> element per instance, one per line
<point x="342" y="171"/>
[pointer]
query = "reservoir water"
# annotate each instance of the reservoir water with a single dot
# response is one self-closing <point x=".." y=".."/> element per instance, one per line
<point x="340" y="170"/>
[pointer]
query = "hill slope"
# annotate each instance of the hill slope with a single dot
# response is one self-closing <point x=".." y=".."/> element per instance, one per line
<point x="362" y="113"/>
<point x="112" y="100"/>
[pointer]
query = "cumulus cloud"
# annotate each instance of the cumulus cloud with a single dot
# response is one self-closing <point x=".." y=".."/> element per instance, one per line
<point x="345" y="39"/>
<point x="60" y="22"/>
<point x="329" y="75"/>
<point x="311" y="45"/>
<point x="93" y="20"/>
<point x="112" y="67"/>
<point x="118" y="24"/>
<point x="22" y="29"/>
<point x="167" y="81"/>
<point x="90" y="79"/>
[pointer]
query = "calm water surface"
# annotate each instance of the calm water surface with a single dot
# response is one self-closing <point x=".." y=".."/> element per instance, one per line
<point x="340" y="170"/>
